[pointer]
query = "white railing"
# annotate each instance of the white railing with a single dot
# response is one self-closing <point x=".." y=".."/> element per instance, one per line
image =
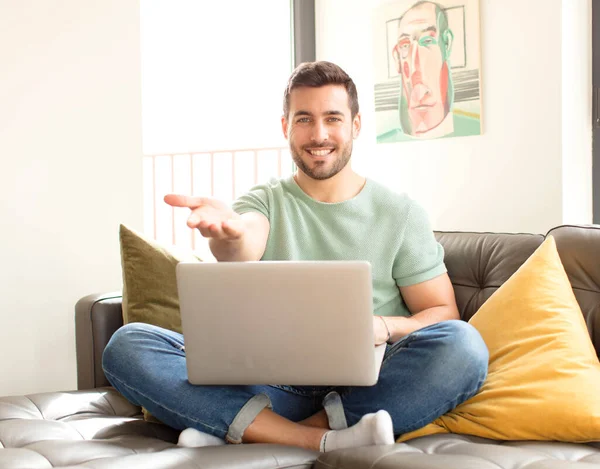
<point x="222" y="174"/>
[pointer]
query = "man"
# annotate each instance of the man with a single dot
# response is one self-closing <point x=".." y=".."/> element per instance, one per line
<point x="324" y="211"/>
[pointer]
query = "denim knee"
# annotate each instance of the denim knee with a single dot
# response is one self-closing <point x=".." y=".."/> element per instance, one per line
<point x="467" y="346"/>
<point x="120" y="346"/>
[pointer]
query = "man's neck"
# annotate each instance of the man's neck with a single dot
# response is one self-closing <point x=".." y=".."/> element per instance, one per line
<point x="343" y="186"/>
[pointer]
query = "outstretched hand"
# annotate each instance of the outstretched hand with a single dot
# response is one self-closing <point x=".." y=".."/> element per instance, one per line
<point x="213" y="218"/>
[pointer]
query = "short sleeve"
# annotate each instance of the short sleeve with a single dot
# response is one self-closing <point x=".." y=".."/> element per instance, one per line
<point x="420" y="257"/>
<point x="256" y="200"/>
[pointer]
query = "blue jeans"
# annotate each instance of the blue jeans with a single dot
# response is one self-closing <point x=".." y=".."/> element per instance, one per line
<point x="423" y="375"/>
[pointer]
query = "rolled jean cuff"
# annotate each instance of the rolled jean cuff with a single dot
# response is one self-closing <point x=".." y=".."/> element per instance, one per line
<point x="246" y="416"/>
<point x="332" y="403"/>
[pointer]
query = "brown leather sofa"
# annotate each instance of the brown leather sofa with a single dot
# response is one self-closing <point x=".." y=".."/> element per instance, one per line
<point x="97" y="428"/>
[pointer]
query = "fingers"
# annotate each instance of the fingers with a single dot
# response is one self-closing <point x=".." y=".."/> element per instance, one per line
<point x="379" y="336"/>
<point x="177" y="200"/>
<point x="234" y="229"/>
<point x="208" y="230"/>
<point x="227" y="230"/>
<point x="195" y="219"/>
<point x="204" y="217"/>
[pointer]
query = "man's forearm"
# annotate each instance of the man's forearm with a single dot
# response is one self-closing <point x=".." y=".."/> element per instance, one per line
<point x="239" y="250"/>
<point x="401" y="326"/>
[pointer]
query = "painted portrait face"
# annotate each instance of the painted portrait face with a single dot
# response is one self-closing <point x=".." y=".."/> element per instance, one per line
<point x="422" y="57"/>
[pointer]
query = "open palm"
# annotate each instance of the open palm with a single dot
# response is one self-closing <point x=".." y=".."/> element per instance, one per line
<point x="212" y="217"/>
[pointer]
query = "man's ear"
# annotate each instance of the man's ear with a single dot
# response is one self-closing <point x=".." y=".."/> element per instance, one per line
<point x="396" y="56"/>
<point x="284" y="126"/>
<point x="447" y="41"/>
<point x="356" y="125"/>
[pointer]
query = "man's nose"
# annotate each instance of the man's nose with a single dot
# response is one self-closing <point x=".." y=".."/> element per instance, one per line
<point x="319" y="133"/>
<point x="415" y="65"/>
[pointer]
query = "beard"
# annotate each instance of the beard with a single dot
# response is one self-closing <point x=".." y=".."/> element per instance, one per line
<point x="319" y="171"/>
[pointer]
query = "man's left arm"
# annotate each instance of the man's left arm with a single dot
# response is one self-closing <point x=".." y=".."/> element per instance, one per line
<point x="429" y="302"/>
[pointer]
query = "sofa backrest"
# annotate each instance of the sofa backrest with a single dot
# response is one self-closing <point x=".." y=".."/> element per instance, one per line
<point x="478" y="263"/>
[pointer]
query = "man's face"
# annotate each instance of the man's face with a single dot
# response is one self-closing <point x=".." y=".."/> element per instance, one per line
<point x="425" y="73"/>
<point x="320" y="130"/>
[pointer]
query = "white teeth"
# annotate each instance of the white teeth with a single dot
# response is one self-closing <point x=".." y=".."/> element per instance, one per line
<point x="319" y="152"/>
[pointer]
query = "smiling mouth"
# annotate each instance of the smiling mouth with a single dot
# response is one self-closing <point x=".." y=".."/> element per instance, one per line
<point x="319" y="152"/>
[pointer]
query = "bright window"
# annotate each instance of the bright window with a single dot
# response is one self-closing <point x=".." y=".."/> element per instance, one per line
<point x="213" y="77"/>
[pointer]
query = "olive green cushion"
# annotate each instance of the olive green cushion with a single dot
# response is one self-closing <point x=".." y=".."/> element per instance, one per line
<point x="149" y="282"/>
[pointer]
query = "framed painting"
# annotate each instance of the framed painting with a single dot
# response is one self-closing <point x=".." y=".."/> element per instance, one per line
<point x="427" y="69"/>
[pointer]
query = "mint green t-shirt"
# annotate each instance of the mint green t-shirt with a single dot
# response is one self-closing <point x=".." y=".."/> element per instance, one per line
<point x="389" y="230"/>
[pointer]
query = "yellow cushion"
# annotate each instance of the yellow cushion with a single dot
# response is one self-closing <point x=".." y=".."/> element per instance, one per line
<point x="149" y="282"/>
<point x="544" y="376"/>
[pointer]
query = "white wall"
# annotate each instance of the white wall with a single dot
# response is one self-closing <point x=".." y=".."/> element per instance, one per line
<point x="71" y="171"/>
<point x="577" y="111"/>
<point x="510" y="178"/>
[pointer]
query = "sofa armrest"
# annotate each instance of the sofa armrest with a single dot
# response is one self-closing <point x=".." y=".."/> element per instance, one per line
<point x="97" y="317"/>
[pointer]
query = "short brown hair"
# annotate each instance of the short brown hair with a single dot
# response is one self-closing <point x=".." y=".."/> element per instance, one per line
<point x="317" y="74"/>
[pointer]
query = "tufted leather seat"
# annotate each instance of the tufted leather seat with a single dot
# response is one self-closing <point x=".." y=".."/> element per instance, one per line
<point x="465" y="452"/>
<point x="98" y="428"/>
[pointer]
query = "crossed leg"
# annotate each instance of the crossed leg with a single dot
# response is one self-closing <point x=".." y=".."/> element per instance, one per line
<point x="147" y="365"/>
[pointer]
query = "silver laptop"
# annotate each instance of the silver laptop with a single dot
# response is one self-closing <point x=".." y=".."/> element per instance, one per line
<point x="267" y="322"/>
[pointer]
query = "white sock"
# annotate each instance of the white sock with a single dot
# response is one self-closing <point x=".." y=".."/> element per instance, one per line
<point x="372" y="429"/>
<point x="192" y="438"/>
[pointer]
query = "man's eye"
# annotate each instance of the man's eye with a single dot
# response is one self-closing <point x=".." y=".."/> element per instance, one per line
<point x="334" y="119"/>
<point x="403" y="45"/>
<point x="303" y="120"/>
<point x="428" y="41"/>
